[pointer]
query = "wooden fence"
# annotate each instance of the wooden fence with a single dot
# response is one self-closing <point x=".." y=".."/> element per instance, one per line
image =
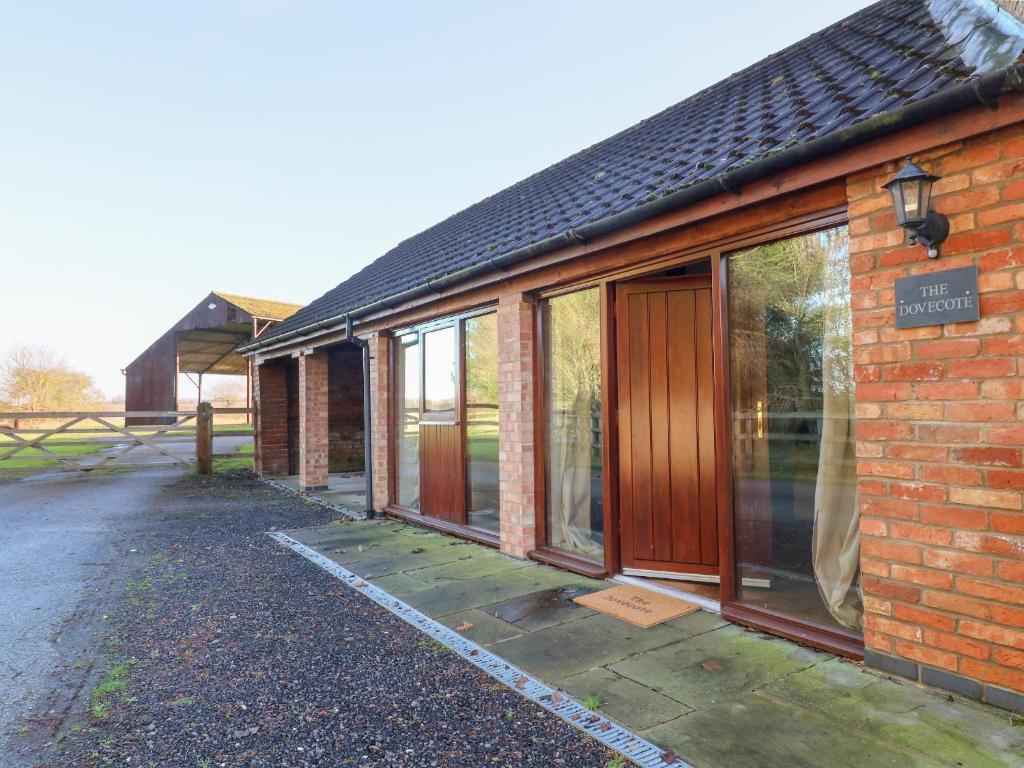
<point x="101" y="440"/>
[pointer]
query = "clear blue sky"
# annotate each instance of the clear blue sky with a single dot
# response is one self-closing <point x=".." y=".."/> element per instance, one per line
<point x="150" y="152"/>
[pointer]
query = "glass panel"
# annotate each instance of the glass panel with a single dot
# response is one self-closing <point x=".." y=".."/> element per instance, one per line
<point x="440" y="372"/>
<point x="572" y="360"/>
<point x="794" y="465"/>
<point x="407" y="396"/>
<point x="912" y="200"/>
<point x="480" y="336"/>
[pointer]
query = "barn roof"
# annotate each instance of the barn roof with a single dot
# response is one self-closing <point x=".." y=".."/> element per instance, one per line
<point x="207" y="337"/>
<point x="880" y="70"/>
<point x="262" y="309"/>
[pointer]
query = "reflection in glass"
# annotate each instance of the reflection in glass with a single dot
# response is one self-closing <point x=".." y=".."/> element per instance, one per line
<point x="480" y="340"/>
<point x="572" y="360"/>
<point x="794" y="466"/>
<point x="440" y="373"/>
<point x="407" y="396"/>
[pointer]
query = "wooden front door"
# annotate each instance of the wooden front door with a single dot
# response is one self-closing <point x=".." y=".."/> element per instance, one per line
<point x="667" y="492"/>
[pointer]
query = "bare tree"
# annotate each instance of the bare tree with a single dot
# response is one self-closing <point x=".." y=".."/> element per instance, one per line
<point x="38" y="379"/>
<point x="228" y="393"/>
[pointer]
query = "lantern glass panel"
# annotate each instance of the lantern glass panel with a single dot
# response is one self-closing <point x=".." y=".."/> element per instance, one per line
<point x="897" y="203"/>
<point x="911" y="200"/>
<point x="924" y="198"/>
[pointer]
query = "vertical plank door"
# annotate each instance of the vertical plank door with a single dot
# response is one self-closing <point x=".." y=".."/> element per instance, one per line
<point x="667" y="479"/>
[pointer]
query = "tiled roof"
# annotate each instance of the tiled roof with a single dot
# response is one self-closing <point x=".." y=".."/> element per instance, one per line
<point x="879" y="60"/>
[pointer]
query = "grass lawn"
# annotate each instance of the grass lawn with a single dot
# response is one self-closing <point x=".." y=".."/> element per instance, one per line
<point x="482" y="442"/>
<point x="33" y="458"/>
<point x="243" y="460"/>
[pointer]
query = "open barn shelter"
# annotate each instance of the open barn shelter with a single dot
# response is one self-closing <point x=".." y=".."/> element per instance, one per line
<point x="202" y="342"/>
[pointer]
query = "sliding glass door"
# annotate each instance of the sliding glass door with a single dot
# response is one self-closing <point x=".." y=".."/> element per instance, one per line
<point x="446" y="434"/>
<point x="796" y="521"/>
<point x="574" y="497"/>
<point x="480" y="350"/>
<point x="407" y="420"/>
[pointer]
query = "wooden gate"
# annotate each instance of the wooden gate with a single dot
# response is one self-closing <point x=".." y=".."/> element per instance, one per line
<point x="90" y="440"/>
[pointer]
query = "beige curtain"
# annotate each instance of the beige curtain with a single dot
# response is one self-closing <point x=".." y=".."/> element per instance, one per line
<point x="570" y="496"/>
<point x="835" y="543"/>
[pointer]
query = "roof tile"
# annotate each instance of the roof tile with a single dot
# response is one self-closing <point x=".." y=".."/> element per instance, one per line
<point x="881" y="59"/>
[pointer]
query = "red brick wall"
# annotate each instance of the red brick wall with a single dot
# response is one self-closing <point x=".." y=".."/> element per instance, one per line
<point x="940" y="430"/>
<point x="270" y="399"/>
<point x="515" y="429"/>
<point x="345" y="435"/>
<point x="313" y="420"/>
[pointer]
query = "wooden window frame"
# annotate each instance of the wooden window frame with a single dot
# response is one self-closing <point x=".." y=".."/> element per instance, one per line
<point x="458" y="418"/>
<point x="832" y="639"/>
<point x="828" y="638"/>
<point x="543" y="551"/>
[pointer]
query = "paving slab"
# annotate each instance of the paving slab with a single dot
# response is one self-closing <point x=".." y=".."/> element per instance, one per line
<point x="472" y="565"/>
<point x="755" y="731"/>
<point x="539" y="610"/>
<point x="406" y="559"/>
<point x="487" y="630"/>
<point x="717" y="665"/>
<point x="697" y="623"/>
<point x="353" y="501"/>
<point x="347" y="490"/>
<point x="455" y="596"/>
<point x="593" y="641"/>
<point x="921" y="720"/>
<point x="400" y="584"/>
<point x="350" y="536"/>
<point x="635" y="706"/>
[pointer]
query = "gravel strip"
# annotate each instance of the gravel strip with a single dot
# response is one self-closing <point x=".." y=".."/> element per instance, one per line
<point x="239" y="653"/>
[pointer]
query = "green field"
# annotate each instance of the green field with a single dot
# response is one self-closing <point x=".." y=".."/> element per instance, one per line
<point x="33" y="458"/>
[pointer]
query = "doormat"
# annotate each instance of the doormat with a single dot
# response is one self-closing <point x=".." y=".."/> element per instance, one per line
<point x="636" y="605"/>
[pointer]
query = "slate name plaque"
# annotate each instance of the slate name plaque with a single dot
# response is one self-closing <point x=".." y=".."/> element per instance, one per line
<point x="950" y="296"/>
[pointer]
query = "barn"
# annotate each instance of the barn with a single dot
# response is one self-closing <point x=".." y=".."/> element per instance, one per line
<point x="203" y="341"/>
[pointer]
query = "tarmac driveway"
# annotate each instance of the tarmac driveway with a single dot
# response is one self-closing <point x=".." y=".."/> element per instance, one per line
<point x="63" y="537"/>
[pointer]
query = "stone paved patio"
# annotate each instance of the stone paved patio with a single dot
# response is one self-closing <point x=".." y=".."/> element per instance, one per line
<point x="715" y="694"/>
<point x="347" y="489"/>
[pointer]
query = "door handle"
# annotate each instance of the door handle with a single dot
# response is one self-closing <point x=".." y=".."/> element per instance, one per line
<point x="760" y="419"/>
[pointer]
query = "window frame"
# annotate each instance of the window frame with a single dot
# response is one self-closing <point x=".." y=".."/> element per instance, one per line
<point x="832" y="639"/>
<point x="454" y="417"/>
<point x="545" y="552"/>
<point x="827" y="638"/>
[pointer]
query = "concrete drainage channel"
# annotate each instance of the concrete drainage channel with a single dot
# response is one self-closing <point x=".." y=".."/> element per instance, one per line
<point x="606" y="731"/>
<point x="319" y="502"/>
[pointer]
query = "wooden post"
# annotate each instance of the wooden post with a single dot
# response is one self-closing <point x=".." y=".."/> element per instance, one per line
<point x="204" y="439"/>
<point x="248" y="390"/>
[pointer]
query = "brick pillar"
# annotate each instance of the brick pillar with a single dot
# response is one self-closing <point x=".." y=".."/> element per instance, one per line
<point x="940" y="436"/>
<point x="270" y="399"/>
<point x="515" y="425"/>
<point x="380" y="411"/>
<point x="313" y="443"/>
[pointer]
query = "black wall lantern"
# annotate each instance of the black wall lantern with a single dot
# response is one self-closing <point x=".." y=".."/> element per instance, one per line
<point x="911" y="190"/>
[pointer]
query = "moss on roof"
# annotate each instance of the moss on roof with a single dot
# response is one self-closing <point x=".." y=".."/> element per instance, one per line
<point x="265" y="309"/>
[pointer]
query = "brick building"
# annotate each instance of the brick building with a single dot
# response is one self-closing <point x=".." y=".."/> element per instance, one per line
<point x="683" y="354"/>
